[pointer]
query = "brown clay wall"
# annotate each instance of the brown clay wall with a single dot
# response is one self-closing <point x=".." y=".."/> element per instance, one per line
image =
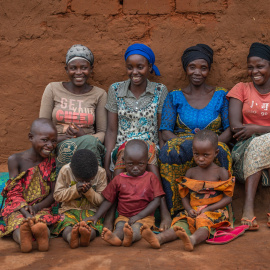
<point x="35" y="35"/>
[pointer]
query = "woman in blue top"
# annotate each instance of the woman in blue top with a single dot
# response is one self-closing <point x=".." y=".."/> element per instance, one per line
<point x="185" y="112"/>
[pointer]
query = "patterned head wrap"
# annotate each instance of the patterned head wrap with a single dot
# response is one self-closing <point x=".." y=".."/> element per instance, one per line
<point x="145" y="51"/>
<point x="200" y="51"/>
<point x="259" y="50"/>
<point x="79" y="51"/>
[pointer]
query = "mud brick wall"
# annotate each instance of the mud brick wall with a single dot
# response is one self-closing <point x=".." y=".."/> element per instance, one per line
<point x="35" y="35"/>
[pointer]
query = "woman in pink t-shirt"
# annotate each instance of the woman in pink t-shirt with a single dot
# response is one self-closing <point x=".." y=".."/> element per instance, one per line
<point x="249" y="115"/>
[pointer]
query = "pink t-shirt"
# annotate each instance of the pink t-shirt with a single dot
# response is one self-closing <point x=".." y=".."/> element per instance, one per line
<point x="133" y="193"/>
<point x="256" y="109"/>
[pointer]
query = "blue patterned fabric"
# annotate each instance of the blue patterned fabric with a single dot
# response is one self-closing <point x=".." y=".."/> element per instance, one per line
<point x="183" y="120"/>
<point x="179" y="117"/>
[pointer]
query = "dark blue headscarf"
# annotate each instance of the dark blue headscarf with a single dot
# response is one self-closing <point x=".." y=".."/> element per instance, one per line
<point x="259" y="50"/>
<point x="200" y="51"/>
<point x="145" y="51"/>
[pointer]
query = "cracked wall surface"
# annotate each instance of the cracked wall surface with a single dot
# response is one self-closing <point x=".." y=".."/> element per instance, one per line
<point x="35" y="35"/>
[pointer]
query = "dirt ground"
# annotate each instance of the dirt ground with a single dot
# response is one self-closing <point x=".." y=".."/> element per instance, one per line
<point x="250" y="251"/>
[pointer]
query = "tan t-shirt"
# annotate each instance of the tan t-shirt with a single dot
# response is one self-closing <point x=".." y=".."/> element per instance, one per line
<point x="85" y="110"/>
<point x="66" y="192"/>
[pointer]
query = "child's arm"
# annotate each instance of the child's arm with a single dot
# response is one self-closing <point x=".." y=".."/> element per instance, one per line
<point x="94" y="196"/>
<point x="149" y="209"/>
<point x="224" y="174"/>
<point x="47" y="202"/>
<point x="64" y="193"/>
<point x="13" y="166"/>
<point x="218" y="205"/>
<point x="104" y="207"/>
<point x="186" y="203"/>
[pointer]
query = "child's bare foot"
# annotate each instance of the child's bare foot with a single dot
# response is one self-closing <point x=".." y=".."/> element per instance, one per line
<point x="74" y="239"/>
<point x="128" y="235"/>
<point x="111" y="238"/>
<point x="40" y="232"/>
<point x="149" y="236"/>
<point x="26" y="236"/>
<point x="85" y="232"/>
<point x="181" y="233"/>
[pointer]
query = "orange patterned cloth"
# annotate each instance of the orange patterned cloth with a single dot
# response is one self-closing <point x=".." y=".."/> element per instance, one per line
<point x="28" y="188"/>
<point x="202" y="194"/>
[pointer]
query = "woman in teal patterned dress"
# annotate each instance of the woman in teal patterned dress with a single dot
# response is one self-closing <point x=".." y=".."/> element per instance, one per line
<point x="134" y="112"/>
<point x="186" y="111"/>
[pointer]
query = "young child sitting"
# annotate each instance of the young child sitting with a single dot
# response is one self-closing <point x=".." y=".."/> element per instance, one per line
<point x="138" y="193"/>
<point x="29" y="192"/>
<point x="206" y="190"/>
<point x="78" y="187"/>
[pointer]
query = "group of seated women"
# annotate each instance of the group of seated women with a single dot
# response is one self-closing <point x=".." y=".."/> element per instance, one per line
<point x="137" y="108"/>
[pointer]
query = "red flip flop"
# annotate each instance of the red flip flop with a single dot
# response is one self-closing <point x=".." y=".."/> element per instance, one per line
<point x="252" y="227"/>
<point x="230" y="229"/>
<point x="227" y="235"/>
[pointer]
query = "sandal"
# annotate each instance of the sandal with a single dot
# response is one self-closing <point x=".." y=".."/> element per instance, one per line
<point x="252" y="227"/>
<point x="230" y="229"/>
<point x="268" y="221"/>
<point x="222" y="237"/>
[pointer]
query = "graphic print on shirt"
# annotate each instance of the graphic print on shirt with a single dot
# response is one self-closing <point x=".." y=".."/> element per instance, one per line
<point x="74" y="111"/>
<point x="255" y="105"/>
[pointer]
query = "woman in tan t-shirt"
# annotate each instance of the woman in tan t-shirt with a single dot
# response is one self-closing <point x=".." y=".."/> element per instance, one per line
<point x="76" y="108"/>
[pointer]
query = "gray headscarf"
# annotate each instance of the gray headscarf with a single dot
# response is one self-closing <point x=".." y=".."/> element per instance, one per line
<point x="79" y="51"/>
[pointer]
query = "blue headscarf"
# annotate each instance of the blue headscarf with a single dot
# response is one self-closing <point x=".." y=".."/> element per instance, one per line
<point x="145" y="51"/>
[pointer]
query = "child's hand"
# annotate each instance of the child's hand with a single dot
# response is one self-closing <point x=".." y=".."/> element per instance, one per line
<point x="93" y="219"/>
<point x="133" y="219"/>
<point x="32" y="209"/>
<point x="25" y="212"/>
<point x="86" y="187"/>
<point x="83" y="187"/>
<point x="192" y="213"/>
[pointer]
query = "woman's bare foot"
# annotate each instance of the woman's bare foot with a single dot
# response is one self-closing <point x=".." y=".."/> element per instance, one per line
<point x="181" y="233"/>
<point x="149" y="236"/>
<point x="85" y="232"/>
<point x="26" y="237"/>
<point x="111" y="238"/>
<point x="40" y="232"/>
<point x="128" y="235"/>
<point x="74" y="239"/>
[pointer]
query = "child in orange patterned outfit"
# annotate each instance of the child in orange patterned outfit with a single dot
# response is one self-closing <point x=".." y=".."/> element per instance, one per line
<point x="205" y="201"/>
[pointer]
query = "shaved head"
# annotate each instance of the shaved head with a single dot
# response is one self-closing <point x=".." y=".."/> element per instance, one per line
<point x="207" y="135"/>
<point x="134" y="146"/>
<point x="41" y="123"/>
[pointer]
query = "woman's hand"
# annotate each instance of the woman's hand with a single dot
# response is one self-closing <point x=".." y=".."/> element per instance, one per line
<point x="246" y="131"/>
<point x="75" y="131"/>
